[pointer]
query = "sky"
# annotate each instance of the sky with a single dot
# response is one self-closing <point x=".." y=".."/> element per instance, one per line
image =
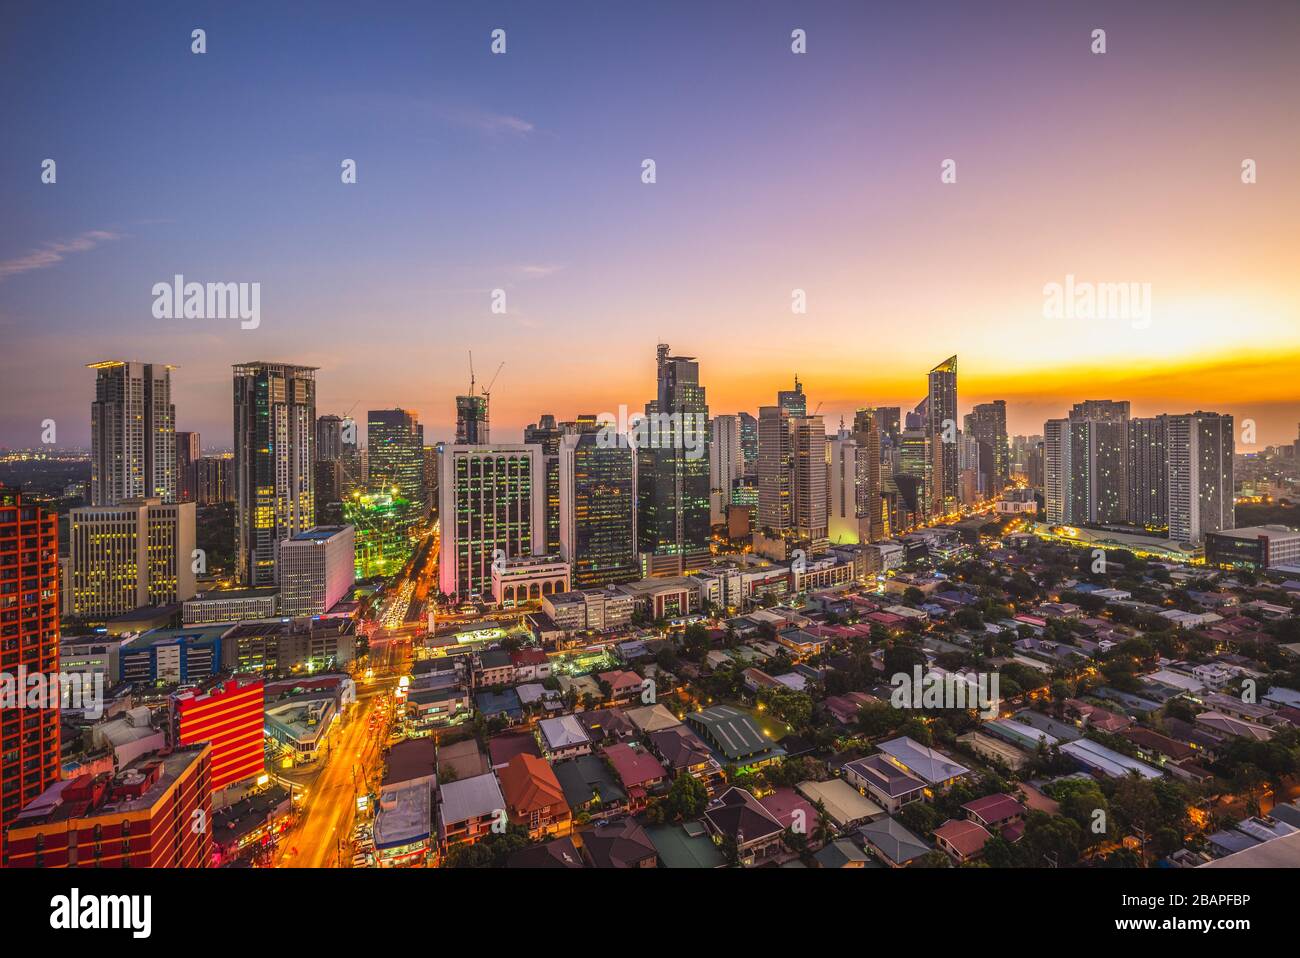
<point x="775" y="172"/>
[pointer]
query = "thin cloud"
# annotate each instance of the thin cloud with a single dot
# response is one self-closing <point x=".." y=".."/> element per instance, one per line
<point x="51" y="254"/>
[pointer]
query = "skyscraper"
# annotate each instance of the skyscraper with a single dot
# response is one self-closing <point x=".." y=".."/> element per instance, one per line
<point x="29" y="639"/>
<point x="598" y="511"/>
<point x="775" y="472"/>
<point x="472" y="420"/>
<point x="187" y="454"/>
<point x="726" y="464"/>
<point x="1148" y="473"/>
<point x="1085" y="467"/>
<point x="490" y="505"/>
<point x="942" y="430"/>
<point x="987" y="423"/>
<point x="844" y="522"/>
<point x="547" y="434"/>
<point x="793" y="401"/>
<point x="132" y="433"/>
<point x="673" y="470"/>
<point x="275" y="420"/>
<point x="869" y="440"/>
<point x="1200" y="447"/>
<point x="749" y="442"/>
<point x="395" y="440"/>
<point x="809" y="485"/>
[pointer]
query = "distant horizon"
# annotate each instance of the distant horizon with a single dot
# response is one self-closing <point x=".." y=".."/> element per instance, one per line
<point x="784" y="181"/>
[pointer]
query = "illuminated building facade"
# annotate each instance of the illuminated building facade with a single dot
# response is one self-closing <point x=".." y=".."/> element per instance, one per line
<point x="382" y="532"/>
<point x="275" y="422"/>
<point x="29" y="637"/>
<point x="229" y="717"/>
<point x="127" y="556"/>
<point x="132" y="433"/>
<point x="598" y="511"/>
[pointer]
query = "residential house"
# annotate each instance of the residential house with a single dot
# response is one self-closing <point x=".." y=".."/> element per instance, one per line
<point x="533" y="797"/>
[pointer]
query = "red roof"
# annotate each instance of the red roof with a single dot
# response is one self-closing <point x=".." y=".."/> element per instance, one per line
<point x="502" y="748"/>
<point x="994" y="808"/>
<point x="783" y="802"/>
<point x="967" y="838"/>
<point x="635" y="766"/>
<point x="528" y="785"/>
<point x="529" y="657"/>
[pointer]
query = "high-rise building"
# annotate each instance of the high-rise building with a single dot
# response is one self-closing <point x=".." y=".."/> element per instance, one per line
<point x="491" y="507"/>
<point x="987" y="424"/>
<point x="845" y="524"/>
<point x="869" y="440"/>
<point x="329" y="438"/>
<point x="749" y="443"/>
<point x="547" y="434"/>
<point x="726" y="464"/>
<point x="598" y="511"/>
<point x="187" y="454"/>
<point x="29" y="639"/>
<point x="775" y="472"/>
<point x="1086" y="464"/>
<point x="214" y="480"/>
<point x="1148" y="473"/>
<point x="472" y="420"/>
<point x="792" y="477"/>
<point x="887" y="420"/>
<point x="382" y="527"/>
<point x="673" y="470"/>
<point x="132" y="433"/>
<point x="793" y="401"/>
<point x="317" y="569"/>
<point x="942" y="431"/>
<point x="809" y="482"/>
<point x="1200" y="447"/>
<point x="275" y="434"/>
<point x="135" y="554"/>
<point x="395" y="440"/>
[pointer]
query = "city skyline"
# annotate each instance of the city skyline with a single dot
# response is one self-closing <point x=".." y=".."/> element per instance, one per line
<point x="819" y="173"/>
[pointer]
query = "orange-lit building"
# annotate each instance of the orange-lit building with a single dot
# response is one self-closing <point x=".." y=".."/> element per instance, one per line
<point x="230" y="716"/>
<point x="29" y="638"/>
<point x="155" y="813"/>
<point x="534" y="797"/>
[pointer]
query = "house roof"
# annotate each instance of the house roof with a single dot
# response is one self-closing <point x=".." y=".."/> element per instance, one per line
<point x="839" y="853"/>
<point x="586" y="778"/>
<point x="843" y="802"/>
<point x="679" y="746"/>
<point x="529" y="785"/>
<point x="994" y="808"/>
<point x="967" y="837"/>
<point x="503" y="748"/>
<point x="784" y="802"/>
<point x="622" y="844"/>
<point x="561" y="853"/>
<point x="733" y="731"/>
<point x="634" y="765"/>
<point x="922" y="761"/>
<point x="738" y="814"/>
<point x="893" y="841"/>
<point x="885" y="776"/>
<point x="685" y="846"/>
<point x="563" y="731"/>
<point x="470" y="798"/>
<point x="652" y="718"/>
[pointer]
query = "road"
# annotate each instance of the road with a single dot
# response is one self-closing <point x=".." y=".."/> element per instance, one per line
<point x="327" y="815"/>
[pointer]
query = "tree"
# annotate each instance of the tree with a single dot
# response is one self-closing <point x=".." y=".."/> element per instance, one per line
<point x="687" y="797"/>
